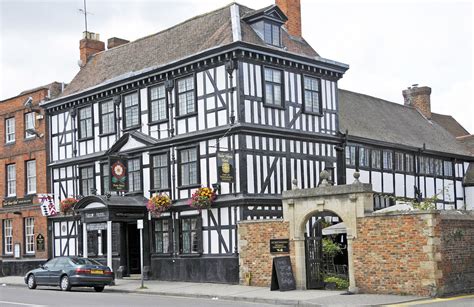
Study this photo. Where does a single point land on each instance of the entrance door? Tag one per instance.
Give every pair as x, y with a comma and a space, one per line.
314, 257
133, 244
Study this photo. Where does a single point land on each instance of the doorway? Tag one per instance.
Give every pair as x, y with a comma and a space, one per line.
133, 248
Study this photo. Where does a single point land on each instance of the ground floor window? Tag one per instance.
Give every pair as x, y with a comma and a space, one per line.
163, 231
8, 236
190, 235
29, 235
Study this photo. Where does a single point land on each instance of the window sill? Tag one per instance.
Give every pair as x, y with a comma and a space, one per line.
196, 255
106, 134
131, 128
186, 115
159, 255
10, 143
191, 186
8, 256
30, 195
320, 114
157, 122
86, 139
273, 106
32, 255
159, 190
133, 193
29, 139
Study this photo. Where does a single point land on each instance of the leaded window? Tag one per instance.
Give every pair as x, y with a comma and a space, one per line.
10, 130
273, 80
271, 34
29, 124
350, 155
312, 95
107, 117
85, 123
134, 175
29, 235
131, 110
363, 157
158, 103
399, 162
8, 236
190, 235
160, 172
188, 167
387, 160
448, 168
11, 180
186, 99
163, 236
105, 175
409, 163
31, 177
376, 159
87, 180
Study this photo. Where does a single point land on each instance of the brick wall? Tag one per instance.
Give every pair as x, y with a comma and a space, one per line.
254, 249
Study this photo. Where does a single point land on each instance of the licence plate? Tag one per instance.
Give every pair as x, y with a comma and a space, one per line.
97, 272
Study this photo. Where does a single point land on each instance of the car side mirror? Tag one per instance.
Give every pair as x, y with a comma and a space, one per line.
41, 266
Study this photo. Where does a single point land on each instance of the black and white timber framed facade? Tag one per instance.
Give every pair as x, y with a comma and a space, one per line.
275, 109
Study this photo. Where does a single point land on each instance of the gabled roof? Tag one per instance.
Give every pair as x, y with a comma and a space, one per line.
271, 11
135, 139
191, 37
384, 121
450, 124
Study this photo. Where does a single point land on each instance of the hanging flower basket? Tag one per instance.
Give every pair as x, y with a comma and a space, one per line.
158, 204
202, 198
67, 204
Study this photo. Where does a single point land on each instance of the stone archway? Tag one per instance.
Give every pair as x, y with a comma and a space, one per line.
347, 201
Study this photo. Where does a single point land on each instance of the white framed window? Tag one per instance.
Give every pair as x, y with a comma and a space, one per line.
185, 92
273, 81
158, 109
131, 110
11, 180
312, 95
188, 164
29, 124
8, 236
10, 130
87, 180
30, 235
31, 177
160, 172
134, 175
85, 123
107, 114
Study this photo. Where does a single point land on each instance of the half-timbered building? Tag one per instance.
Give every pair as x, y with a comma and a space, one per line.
236, 81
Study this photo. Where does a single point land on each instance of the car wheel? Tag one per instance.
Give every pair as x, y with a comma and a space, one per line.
99, 289
65, 285
31, 282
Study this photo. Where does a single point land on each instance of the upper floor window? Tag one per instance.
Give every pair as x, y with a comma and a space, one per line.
10, 130
376, 159
363, 157
188, 164
29, 124
399, 162
387, 160
134, 175
163, 235
350, 155
8, 236
105, 175
409, 163
107, 117
273, 81
448, 168
31, 177
438, 167
160, 172
190, 233
87, 180
131, 110
186, 99
312, 95
158, 110
11, 180
85, 123
271, 34
29, 235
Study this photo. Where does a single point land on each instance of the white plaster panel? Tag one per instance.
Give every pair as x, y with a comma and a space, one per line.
250, 174
387, 183
399, 185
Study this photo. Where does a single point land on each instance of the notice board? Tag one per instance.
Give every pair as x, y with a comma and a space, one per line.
282, 274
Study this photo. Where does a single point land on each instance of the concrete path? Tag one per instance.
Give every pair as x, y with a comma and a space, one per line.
243, 293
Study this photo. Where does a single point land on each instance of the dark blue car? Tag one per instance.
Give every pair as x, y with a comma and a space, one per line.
67, 272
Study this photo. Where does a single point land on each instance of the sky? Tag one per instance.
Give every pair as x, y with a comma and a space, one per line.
389, 45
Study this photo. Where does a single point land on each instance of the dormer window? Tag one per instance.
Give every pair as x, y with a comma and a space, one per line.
272, 34
267, 24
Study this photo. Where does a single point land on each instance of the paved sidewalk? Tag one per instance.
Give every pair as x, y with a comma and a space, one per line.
243, 293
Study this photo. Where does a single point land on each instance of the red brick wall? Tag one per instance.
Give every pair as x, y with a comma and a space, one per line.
292, 10
254, 243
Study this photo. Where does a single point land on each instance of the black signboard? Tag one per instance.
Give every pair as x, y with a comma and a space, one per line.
118, 173
39, 243
282, 274
279, 245
18, 201
225, 166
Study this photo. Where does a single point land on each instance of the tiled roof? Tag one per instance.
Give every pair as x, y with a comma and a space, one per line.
188, 38
377, 119
450, 124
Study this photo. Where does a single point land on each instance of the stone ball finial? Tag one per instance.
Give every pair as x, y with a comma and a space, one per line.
294, 182
324, 175
356, 177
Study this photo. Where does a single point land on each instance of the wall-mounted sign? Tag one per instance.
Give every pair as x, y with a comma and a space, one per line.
18, 201
225, 167
39, 243
118, 174
96, 226
279, 245
48, 208
139, 224
17, 250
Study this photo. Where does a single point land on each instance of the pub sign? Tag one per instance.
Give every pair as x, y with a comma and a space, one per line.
118, 173
40, 243
225, 166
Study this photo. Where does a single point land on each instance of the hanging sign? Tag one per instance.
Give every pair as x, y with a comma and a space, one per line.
225, 166
40, 243
48, 208
118, 174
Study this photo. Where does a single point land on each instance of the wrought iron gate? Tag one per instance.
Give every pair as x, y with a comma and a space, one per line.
314, 257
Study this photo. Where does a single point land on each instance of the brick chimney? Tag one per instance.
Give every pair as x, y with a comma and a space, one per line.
419, 98
89, 45
115, 42
292, 10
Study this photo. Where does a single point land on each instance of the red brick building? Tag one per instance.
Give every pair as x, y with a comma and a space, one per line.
23, 161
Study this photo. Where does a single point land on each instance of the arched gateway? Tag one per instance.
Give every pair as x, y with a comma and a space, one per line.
348, 202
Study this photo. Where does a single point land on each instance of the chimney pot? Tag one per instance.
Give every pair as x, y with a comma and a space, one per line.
292, 10
89, 45
419, 98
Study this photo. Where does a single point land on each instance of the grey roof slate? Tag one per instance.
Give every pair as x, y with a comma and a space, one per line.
193, 36
377, 119
450, 124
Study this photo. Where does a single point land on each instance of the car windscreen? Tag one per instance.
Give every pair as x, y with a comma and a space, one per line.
81, 261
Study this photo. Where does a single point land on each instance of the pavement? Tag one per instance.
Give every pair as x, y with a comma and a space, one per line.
243, 293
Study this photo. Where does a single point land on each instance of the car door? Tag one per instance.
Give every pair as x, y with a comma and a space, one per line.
42, 275
55, 271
